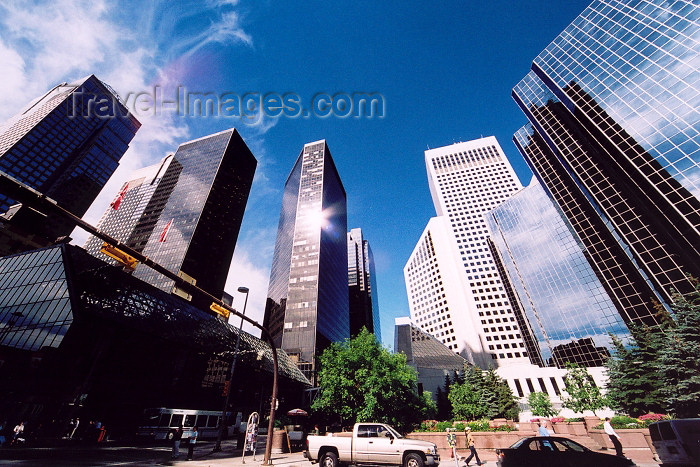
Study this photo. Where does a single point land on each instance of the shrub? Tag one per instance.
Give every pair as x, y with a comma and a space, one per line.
479, 425
557, 419
428, 425
459, 426
507, 428
443, 426
575, 419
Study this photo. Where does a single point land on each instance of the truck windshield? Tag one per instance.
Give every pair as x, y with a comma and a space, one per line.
393, 432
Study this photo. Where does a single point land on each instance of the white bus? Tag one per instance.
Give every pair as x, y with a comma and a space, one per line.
161, 423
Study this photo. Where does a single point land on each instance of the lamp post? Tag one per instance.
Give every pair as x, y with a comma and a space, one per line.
222, 425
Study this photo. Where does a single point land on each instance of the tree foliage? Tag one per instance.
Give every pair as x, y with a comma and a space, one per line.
634, 384
679, 358
483, 394
660, 370
360, 381
540, 404
584, 394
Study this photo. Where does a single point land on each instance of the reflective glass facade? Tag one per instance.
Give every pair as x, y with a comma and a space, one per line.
362, 285
79, 337
614, 103
307, 305
66, 145
126, 218
185, 212
565, 303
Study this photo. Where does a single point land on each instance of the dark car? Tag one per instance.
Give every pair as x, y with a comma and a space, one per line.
550, 451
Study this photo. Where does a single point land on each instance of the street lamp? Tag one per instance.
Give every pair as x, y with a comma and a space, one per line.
222, 425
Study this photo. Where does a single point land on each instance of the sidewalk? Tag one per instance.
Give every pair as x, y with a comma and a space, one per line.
203, 456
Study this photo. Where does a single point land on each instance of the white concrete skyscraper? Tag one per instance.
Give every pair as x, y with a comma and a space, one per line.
455, 291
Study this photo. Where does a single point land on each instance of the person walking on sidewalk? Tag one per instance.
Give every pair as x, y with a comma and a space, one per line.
191, 442
470, 445
614, 437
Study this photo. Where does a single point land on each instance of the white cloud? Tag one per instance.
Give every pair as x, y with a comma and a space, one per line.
245, 273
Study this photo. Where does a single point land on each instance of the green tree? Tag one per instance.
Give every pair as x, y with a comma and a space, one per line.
504, 404
444, 410
360, 381
679, 363
540, 405
584, 394
467, 398
635, 385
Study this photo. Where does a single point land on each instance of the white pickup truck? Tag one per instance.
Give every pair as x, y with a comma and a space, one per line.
370, 443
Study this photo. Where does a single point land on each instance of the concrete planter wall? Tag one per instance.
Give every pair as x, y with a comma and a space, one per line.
482, 440
591, 422
560, 428
576, 428
630, 438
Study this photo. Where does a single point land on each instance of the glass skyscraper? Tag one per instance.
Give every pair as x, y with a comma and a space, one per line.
614, 137
186, 211
362, 284
569, 313
307, 304
66, 145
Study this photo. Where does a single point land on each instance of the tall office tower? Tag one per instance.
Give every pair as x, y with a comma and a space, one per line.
307, 304
614, 104
126, 210
66, 145
186, 211
568, 311
362, 283
477, 320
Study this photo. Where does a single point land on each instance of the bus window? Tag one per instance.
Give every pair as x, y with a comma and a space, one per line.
189, 420
213, 421
201, 421
164, 420
177, 420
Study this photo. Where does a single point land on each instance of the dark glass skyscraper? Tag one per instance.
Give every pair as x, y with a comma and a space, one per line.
186, 211
614, 107
66, 145
362, 284
307, 304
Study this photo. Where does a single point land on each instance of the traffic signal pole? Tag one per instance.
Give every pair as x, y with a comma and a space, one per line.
38, 201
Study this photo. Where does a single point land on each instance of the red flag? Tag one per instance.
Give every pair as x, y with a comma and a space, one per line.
164, 234
120, 197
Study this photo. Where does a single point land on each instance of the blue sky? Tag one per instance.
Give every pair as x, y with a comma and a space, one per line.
445, 71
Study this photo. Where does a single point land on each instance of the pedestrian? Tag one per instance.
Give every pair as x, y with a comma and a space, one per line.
17, 433
614, 437
177, 437
470, 445
191, 442
542, 430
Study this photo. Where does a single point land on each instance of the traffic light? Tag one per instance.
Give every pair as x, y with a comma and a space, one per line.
115, 253
227, 387
218, 309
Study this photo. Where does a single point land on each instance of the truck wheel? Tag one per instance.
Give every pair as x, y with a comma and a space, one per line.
413, 460
329, 459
